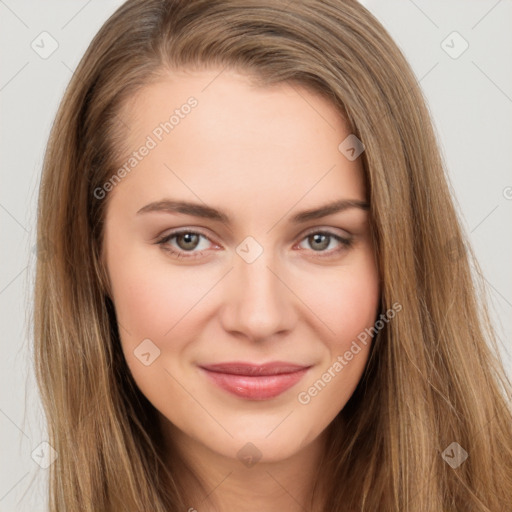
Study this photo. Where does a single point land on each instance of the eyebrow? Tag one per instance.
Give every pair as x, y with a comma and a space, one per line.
207, 212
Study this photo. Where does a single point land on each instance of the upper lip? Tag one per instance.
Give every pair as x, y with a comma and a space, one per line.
251, 369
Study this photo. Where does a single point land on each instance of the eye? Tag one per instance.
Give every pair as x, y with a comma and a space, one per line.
319, 241
187, 241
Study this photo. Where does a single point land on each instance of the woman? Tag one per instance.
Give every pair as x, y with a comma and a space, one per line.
268, 369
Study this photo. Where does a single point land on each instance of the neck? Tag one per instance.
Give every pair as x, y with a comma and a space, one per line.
215, 483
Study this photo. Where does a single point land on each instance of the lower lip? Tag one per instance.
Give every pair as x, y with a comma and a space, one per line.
262, 387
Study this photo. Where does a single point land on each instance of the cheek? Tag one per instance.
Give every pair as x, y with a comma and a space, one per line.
345, 299
347, 302
158, 302
151, 302
151, 297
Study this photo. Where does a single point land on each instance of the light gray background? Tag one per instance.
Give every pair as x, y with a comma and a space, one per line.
470, 98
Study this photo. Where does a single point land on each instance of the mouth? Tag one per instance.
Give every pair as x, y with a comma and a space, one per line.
254, 381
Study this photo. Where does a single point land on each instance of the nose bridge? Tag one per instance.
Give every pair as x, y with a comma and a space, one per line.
259, 303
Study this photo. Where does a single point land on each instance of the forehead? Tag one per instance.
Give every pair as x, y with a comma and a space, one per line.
217, 136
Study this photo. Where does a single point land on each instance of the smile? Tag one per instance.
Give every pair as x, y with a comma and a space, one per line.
255, 382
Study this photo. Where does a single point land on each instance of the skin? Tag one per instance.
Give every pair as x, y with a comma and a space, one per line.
261, 155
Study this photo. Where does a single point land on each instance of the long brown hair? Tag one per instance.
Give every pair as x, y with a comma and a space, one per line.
434, 377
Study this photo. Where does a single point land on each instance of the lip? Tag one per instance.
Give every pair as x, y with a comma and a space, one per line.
255, 381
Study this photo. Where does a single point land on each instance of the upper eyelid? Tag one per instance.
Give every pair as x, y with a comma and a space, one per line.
180, 231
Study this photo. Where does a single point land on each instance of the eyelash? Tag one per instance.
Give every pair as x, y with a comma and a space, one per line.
163, 241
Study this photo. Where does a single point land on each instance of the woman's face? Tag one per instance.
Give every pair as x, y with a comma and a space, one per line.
221, 256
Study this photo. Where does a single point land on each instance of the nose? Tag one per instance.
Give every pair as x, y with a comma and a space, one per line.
258, 304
